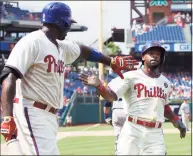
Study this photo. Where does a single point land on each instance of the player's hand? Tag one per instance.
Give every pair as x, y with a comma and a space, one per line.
120, 63
90, 80
178, 124
108, 121
8, 128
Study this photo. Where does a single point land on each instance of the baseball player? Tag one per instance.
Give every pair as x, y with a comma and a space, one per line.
33, 81
145, 91
118, 117
185, 113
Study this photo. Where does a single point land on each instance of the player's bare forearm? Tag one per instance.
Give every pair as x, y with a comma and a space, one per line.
87, 52
117, 64
107, 93
94, 81
8, 94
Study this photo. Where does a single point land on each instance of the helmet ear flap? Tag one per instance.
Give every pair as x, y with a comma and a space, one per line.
162, 58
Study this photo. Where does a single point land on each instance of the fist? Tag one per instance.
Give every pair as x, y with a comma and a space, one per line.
120, 63
8, 128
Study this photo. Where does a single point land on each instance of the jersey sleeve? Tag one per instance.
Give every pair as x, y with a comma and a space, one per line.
168, 94
71, 51
119, 86
23, 55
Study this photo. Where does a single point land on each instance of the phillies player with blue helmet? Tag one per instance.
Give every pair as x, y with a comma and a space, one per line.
33, 81
146, 93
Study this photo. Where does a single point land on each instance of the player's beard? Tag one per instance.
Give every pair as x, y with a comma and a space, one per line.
153, 67
61, 37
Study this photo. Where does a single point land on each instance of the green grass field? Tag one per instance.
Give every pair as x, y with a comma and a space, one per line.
104, 127
104, 145
2, 138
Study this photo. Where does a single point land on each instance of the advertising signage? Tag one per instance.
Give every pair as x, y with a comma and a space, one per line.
158, 3
181, 1
165, 3
170, 47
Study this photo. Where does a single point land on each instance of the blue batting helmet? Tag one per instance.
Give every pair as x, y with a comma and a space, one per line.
59, 14
154, 45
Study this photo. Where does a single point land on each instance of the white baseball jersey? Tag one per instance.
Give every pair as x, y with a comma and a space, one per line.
184, 108
42, 64
145, 97
120, 105
117, 104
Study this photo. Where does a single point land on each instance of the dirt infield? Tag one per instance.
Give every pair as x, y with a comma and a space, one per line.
62, 135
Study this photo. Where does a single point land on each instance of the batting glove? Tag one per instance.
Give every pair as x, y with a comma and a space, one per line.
120, 63
8, 128
108, 121
178, 124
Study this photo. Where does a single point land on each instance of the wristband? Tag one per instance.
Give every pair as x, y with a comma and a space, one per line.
168, 110
175, 118
95, 56
112, 61
101, 87
7, 118
108, 104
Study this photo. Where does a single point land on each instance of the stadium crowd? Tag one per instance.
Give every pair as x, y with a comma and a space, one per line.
179, 19
8, 11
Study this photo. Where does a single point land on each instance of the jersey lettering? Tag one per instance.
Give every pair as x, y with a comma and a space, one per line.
58, 67
152, 92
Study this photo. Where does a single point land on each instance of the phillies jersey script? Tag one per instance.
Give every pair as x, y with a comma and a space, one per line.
145, 97
42, 64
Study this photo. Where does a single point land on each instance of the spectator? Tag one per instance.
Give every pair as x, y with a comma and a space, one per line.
144, 27
3, 11
79, 90
183, 16
85, 90
180, 22
188, 18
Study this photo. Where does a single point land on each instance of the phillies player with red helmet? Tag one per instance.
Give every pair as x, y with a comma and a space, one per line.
33, 81
146, 93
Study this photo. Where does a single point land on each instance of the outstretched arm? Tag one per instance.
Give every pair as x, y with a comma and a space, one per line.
94, 55
94, 81
117, 64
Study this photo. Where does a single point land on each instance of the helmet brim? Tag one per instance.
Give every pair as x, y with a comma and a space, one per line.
155, 47
73, 21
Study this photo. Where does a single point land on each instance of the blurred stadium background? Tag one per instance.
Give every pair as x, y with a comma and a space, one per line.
167, 21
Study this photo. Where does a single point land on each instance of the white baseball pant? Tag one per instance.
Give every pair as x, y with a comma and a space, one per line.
118, 120
37, 129
185, 120
135, 139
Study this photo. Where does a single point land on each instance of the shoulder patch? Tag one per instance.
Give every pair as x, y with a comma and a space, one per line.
165, 85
